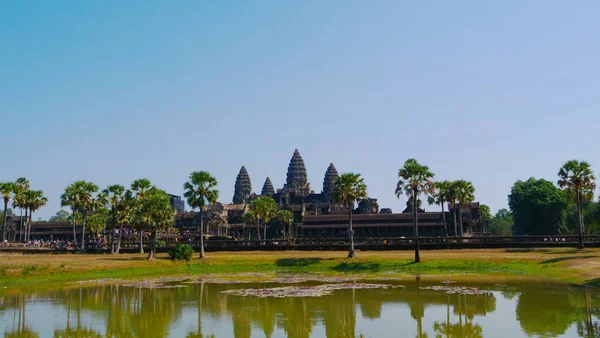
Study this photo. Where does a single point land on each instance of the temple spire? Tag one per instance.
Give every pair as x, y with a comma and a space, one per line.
296, 174
243, 187
267, 189
330, 176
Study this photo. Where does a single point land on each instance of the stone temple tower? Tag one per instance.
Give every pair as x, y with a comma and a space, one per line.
243, 187
296, 174
330, 176
267, 189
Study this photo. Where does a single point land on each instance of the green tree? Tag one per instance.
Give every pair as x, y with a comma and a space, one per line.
465, 194
577, 179
264, 209
501, 224
249, 219
286, 218
7, 190
84, 203
349, 188
157, 213
485, 215
440, 197
590, 211
140, 187
537, 207
60, 216
98, 220
34, 200
22, 185
415, 179
69, 199
200, 191
112, 197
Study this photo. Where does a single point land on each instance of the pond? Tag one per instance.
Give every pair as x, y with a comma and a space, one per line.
416, 307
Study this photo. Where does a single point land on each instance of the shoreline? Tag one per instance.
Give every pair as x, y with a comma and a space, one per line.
563, 265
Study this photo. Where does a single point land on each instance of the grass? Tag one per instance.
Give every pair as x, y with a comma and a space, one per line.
565, 264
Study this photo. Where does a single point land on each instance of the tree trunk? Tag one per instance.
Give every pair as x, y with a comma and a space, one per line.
580, 218
444, 218
28, 228
351, 253
83, 231
265, 232
119, 241
112, 235
460, 220
152, 254
21, 226
141, 241
4, 223
454, 216
416, 227
74, 233
201, 233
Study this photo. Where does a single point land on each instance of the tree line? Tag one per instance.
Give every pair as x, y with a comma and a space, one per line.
537, 205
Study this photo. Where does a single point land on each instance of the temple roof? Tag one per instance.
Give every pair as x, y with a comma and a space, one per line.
296, 174
267, 189
330, 176
243, 187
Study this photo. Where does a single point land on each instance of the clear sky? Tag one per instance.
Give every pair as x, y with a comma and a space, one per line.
111, 91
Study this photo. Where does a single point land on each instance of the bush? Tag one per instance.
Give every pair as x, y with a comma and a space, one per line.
181, 252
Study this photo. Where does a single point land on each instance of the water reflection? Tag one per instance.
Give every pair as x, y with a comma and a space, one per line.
200, 310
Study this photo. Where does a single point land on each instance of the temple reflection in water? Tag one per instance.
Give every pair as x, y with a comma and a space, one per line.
201, 310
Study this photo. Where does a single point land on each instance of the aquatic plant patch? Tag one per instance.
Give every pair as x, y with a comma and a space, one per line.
304, 291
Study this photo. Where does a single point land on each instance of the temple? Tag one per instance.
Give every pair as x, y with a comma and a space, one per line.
317, 215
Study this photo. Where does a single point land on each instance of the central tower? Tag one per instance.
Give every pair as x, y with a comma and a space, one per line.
296, 174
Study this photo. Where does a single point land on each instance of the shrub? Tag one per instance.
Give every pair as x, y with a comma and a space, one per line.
181, 252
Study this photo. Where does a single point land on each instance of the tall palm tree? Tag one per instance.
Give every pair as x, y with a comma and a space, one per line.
286, 218
18, 201
349, 188
200, 191
156, 213
140, 187
112, 197
415, 179
69, 199
440, 197
465, 194
34, 200
7, 189
85, 203
578, 180
264, 209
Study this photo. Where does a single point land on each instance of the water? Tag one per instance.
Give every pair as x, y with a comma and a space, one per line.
525, 310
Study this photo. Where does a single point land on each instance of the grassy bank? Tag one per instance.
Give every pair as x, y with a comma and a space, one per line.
564, 264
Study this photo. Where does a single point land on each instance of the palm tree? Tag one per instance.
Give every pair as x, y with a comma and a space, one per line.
85, 203
18, 201
156, 213
34, 200
577, 179
440, 197
415, 179
200, 191
249, 218
348, 189
125, 214
286, 218
68, 199
112, 197
140, 188
465, 194
7, 189
264, 209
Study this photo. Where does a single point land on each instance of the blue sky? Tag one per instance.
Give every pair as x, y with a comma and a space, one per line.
489, 91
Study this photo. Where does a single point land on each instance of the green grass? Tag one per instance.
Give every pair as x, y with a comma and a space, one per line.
90, 267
